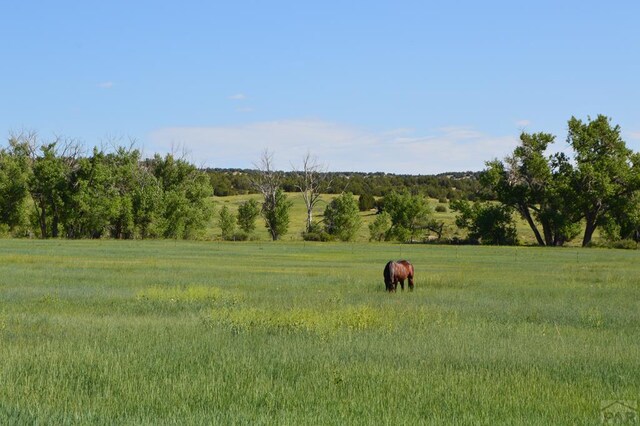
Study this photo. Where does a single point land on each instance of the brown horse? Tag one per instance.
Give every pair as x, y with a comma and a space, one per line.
397, 272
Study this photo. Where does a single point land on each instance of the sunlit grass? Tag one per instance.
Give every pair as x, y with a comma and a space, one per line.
298, 215
294, 333
298, 220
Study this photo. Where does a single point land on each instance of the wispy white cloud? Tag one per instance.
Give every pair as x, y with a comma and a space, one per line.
238, 97
633, 139
106, 84
523, 123
342, 147
634, 135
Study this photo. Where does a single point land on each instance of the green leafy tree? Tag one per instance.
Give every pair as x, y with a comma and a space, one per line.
379, 228
410, 215
487, 223
341, 217
49, 185
125, 168
607, 173
537, 187
147, 202
92, 201
227, 223
248, 212
186, 190
14, 178
276, 214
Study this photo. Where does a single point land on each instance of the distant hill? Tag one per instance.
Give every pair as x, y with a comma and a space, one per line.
450, 185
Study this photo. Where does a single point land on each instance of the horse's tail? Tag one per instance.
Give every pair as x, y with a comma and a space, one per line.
388, 273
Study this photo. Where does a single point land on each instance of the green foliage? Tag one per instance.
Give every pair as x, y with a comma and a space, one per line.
49, 188
455, 185
112, 194
441, 209
537, 187
185, 210
607, 173
14, 178
275, 211
487, 223
227, 223
366, 202
147, 197
230, 181
248, 212
379, 228
623, 223
316, 233
104, 197
410, 215
341, 217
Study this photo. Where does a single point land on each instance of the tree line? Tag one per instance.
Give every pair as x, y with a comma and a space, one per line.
55, 189
450, 186
559, 195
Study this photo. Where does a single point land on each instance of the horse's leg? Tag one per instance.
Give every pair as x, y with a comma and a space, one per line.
411, 283
402, 284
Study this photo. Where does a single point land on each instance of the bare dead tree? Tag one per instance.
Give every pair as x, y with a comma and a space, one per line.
24, 142
267, 182
312, 180
179, 151
115, 143
70, 150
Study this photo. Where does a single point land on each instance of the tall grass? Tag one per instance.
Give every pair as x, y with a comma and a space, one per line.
288, 333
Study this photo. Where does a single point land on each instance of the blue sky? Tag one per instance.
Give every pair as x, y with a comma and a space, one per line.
395, 86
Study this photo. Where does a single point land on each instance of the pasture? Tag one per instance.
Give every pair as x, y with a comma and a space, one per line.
158, 332
298, 220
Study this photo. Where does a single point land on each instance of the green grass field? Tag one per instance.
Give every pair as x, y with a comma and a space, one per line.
298, 218
291, 333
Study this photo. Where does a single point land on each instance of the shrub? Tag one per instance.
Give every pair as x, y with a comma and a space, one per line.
617, 244
366, 202
227, 223
316, 233
240, 236
487, 223
316, 236
441, 209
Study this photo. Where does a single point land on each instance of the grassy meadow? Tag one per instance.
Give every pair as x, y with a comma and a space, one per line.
163, 332
298, 216
298, 220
